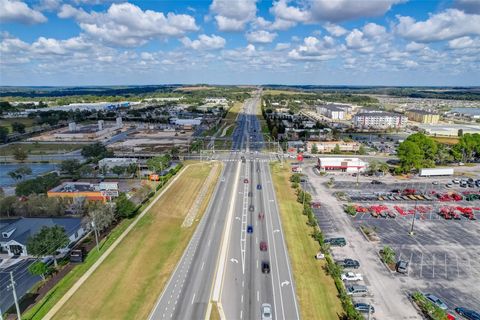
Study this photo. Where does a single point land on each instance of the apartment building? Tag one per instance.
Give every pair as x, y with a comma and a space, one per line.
423, 116
379, 120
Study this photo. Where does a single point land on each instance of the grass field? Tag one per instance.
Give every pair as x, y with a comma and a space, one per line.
233, 112
8, 122
40, 148
316, 291
128, 283
446, 140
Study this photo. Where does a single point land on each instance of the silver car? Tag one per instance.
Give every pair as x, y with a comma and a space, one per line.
266, 311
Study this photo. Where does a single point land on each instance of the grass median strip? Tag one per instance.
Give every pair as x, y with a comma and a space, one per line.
127, 284
316, 291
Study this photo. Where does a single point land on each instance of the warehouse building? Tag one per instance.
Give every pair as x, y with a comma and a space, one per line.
379, 120
351, 165
423, 116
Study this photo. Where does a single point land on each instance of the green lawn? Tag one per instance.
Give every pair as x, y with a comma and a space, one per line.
40, 148
8, 122
127, 284
316, 291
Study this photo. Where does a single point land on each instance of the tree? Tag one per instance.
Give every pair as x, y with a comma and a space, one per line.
373, 166
47, 241
70, 166
383, 167
19, 154
428, 146
96, 151
362, 150
336, 150
118, 170
410, 155
7, 206
174, 152
314, 149
101, 215
124, 207
37, 185
468, 147
158, 163
18, 127
20, 173
38, 268
388, 255
3, 134
132, 169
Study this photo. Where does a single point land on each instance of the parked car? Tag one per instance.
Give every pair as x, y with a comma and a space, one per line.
456, 181
265, 267
266, 311
249, 193
436, 300
263, 246
376, 182
468, 313
336, 242
349, 263
364, 307
402, 266
249, 228
251, 208
351, 276
245, 180
357, 290
435, 182
449, 185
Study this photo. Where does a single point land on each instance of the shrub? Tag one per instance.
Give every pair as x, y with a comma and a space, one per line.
350, 209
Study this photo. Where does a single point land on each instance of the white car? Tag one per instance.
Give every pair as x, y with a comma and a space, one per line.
266, 311
351, 276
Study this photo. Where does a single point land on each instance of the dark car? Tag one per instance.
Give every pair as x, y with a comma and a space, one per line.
402, 266
249, 193
468, 313
336, 242
376, 182
251, 208
245, 180
249, 228
259, 187
364, 307
349, 263
263, 246
265, 267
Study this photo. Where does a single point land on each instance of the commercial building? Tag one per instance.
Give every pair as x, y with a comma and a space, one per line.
92, 192
334, 111
15, 232
351, 165
329, 146
89, 131
105, 106
449, 130
423, 116
109, 163
379, 120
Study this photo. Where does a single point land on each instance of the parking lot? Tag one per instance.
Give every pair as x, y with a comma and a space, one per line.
443, 255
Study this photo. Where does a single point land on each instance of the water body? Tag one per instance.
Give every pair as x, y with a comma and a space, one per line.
37, 169
470, 111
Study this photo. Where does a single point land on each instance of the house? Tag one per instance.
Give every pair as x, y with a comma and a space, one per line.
15, 233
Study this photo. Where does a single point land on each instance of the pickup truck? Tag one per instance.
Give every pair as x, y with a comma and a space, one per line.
349, 263
351, 276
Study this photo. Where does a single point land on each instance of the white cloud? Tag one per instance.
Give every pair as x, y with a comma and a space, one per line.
371, 37
261, 36
450, 24
48, 5
204, 42
335, 30
314, 49
464, 43
127, 25
310, 11
17, 11
282, 46
233, 15
468, 6
415, 46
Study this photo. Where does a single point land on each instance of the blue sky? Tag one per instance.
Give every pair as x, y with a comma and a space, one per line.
324, 42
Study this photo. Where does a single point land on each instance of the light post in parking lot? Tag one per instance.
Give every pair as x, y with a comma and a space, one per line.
413, 219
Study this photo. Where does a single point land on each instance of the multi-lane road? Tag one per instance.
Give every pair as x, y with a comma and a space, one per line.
222, 262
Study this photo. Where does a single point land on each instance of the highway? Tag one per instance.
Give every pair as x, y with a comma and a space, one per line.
221, 262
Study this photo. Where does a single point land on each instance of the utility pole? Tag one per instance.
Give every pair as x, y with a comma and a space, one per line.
96, 235
414, 217
12, 286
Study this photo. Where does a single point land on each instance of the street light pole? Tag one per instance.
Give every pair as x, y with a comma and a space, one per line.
414, 217
12, 286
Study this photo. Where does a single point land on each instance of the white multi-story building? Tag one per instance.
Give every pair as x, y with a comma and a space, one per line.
334, 111
379, 120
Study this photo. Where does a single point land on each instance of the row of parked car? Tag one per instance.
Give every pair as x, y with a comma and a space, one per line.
351, 278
